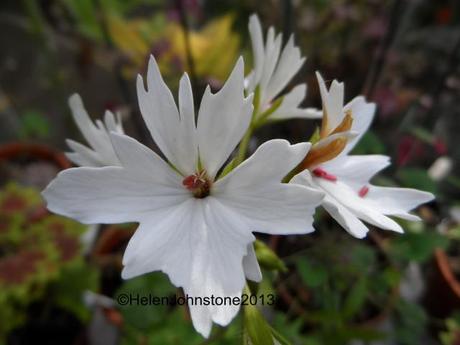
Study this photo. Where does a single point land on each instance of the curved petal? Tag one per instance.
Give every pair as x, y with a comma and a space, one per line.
173, 135
145, 184
289, 107
345, 218
254, 190
288, 65
222, 121
332, 102
363, 114
397, 201
349, 198
102, 153
251, 265
356, 171
200, 245
272, 53
83, 155
258, 51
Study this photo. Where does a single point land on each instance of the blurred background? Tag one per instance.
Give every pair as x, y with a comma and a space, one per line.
59, 279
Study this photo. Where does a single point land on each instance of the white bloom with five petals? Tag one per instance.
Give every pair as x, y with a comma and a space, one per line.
273, 70
97, 135
194, 226
345, 179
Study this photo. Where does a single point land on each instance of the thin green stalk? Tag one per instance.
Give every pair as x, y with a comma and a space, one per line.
243, 148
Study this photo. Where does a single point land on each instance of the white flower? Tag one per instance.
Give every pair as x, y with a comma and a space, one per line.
273, 70
193, 226
350, 198
101, 152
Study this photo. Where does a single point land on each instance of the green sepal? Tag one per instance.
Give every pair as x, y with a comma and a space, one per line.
267, 258
256, 328
315, 137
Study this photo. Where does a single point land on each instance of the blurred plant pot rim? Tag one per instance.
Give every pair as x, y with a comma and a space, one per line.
12, 150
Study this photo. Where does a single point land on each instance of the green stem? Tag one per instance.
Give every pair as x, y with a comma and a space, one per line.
243, 148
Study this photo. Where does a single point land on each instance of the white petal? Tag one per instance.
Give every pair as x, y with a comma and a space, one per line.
80, 160
187, 145
251, 265
111, 123
258, 51
356, 170
162, 117
350, 199
97, 137
289, 107
345, 218
114, 194
84, 155
397, 201
272, 52
363, 114
200, 245
288, 65
332, 101
222, 121
83, 121
254, 190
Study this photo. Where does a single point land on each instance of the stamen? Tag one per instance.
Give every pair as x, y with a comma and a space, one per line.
198, 184
318, 172
363, 191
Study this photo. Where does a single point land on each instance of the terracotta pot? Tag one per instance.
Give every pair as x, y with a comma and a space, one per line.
42, 152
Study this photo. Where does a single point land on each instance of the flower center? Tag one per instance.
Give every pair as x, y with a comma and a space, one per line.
198, 183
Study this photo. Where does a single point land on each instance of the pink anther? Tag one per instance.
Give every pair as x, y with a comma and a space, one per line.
318, 172
363, 191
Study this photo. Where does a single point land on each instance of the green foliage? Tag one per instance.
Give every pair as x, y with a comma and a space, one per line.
417, 246
165, 324
312, 275
369, 144
34, 125
417, 178
267, 258
145, 317
411, 323
256, 327
451, 334
346, 286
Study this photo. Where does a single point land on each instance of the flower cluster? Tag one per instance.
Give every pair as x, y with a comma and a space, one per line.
198, 207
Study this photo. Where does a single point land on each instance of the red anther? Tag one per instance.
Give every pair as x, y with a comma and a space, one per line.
363, 191
318, 172
191, 182
198, 184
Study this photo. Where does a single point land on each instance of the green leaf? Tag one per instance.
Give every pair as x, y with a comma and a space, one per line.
313, 275
282, 340
369, 144
34, 125
411, 323
417, 246
69, 288
356, 298
417, 178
